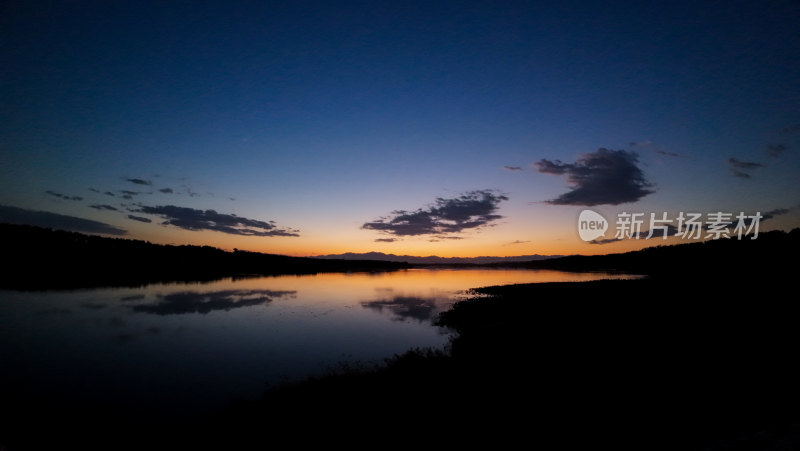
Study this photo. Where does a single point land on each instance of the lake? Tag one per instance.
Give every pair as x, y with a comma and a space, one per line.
193, 347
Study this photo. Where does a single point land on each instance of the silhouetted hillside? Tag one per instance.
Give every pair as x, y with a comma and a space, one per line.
42, 258
435, 260
691, 259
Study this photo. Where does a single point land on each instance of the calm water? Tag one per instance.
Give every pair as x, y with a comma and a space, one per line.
193, 347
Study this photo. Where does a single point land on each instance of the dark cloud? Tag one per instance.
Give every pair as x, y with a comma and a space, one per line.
604, 177
512, 168
139, 181
471, 210
775, 150
404, 307
14, 215
193, 219
140, 218
166, 190
385, 240
646, 144
742, 169
794, 128
604, 241
518, 242
199, 302
63, 196
103, 207
109, 193
670, 154
133, 297
94, 190
772, 213
743, 164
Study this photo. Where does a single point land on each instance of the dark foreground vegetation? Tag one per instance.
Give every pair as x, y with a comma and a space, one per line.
41, 258
702, 354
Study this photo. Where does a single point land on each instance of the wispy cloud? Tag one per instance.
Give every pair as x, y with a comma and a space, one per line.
140, 219
385, 240
775, 150
14, 215
606, 176
166, 190
512, 168
794, 128
742, 169
647, 144
139, 181
472, 210
194, 219
671, 154
62, 196
517, 242
104, 207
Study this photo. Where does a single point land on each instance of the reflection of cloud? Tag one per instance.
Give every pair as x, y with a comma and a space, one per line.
403, 307
205, 302
741, 168
604, 177
474, 209
193, 219
63, 196
14, 215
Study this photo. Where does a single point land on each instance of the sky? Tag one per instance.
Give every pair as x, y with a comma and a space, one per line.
420, 128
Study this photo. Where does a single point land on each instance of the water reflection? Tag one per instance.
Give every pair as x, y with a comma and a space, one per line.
403, 307
201, 344
204, 302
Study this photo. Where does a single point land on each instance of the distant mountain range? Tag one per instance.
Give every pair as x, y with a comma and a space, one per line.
434, 260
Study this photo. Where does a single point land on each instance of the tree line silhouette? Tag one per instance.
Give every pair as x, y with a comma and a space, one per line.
40, 258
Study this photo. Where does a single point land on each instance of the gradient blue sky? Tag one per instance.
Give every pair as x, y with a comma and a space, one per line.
323, 116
